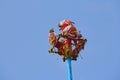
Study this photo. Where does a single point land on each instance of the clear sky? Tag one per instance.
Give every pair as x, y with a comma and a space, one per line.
24, 27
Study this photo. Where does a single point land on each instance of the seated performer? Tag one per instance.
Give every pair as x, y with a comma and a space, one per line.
54, 41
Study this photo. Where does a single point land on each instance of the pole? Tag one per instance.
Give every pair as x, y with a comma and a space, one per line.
69, 69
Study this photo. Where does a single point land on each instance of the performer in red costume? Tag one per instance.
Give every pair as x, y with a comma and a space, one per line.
68, 29
54, 41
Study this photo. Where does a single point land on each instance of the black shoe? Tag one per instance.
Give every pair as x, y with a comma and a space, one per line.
63, 59
74, 58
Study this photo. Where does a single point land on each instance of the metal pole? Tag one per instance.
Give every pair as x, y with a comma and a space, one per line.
69, 69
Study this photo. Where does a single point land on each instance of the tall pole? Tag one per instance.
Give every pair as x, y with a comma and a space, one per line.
69, 69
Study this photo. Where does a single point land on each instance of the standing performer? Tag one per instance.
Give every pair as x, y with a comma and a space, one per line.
68, 29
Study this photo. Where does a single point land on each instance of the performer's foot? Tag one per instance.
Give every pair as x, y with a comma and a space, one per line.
63, 58
73, 58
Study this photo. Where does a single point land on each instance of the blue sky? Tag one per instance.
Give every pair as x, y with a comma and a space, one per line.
24, 27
